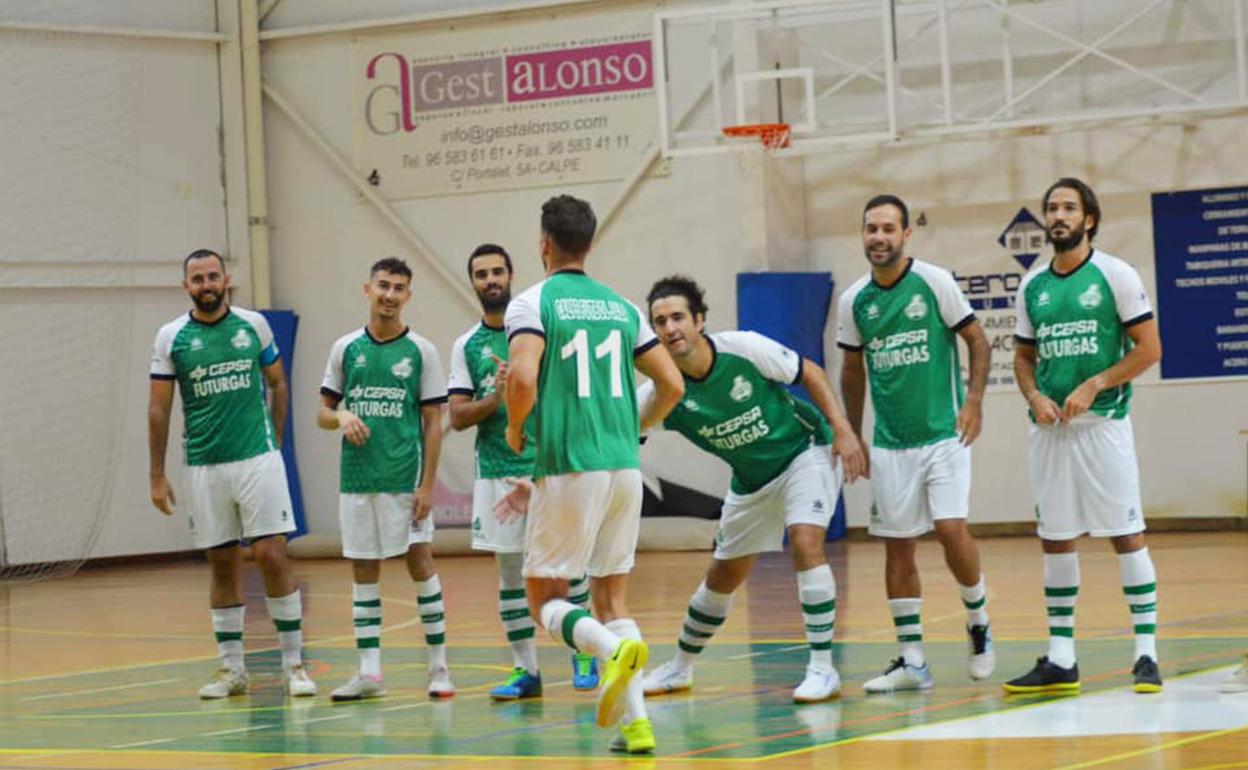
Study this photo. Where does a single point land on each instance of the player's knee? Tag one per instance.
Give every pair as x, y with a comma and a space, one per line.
420, 562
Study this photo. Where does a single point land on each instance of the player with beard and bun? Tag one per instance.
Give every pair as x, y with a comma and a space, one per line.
224, 361
1085, 331
477, 387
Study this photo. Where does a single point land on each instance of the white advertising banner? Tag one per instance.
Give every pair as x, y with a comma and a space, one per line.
511, 104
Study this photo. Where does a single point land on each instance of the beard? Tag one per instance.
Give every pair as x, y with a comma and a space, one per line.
1073, 237
494, 304
891, 259
208, 305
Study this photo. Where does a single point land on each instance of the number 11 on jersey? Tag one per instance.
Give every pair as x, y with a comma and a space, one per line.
579, 347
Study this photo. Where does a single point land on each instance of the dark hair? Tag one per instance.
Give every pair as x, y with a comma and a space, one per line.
390, 265
202, 254
569, 223
486, 249
678, 286
1087, 199
887, 199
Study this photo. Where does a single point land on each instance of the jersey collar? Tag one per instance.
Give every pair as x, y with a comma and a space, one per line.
1077, 268
571, 270
191, 314
900, 278
714, 359
376, 341
492, 328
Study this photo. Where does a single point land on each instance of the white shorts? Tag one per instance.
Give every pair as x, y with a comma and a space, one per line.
378, 526
1085, 480
583, 523
487, 533
912, 488
244, 499
805, 493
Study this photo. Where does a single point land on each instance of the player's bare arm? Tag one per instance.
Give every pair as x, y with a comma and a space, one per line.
854, 391
845, 445
275, 380
525, 354
669, 387
333, 417
159, 406
1145, 353
971, 415
467, 411
431, 426
1042, 407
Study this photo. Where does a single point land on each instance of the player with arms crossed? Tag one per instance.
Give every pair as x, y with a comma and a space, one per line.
236, 480
477, 383
1085, 331
574, 342
899, 324
383, 390
783, 479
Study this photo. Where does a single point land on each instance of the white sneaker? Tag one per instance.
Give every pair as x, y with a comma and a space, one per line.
668, 677
440, 684
1237, 681
900, 675
298, 683
359, 687
225, 683
983, 658
819, 685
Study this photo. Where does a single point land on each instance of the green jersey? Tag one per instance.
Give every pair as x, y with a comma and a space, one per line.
1078, 323
473, 370
907, 334
741, 412
384, 384
217, 367
586, 413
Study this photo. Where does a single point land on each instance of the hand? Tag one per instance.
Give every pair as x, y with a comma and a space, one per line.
422, 503
970, 421
353, 428
515, 503
853, 459
500, 380
516, 438
1080, 399
162, 495
1044, 409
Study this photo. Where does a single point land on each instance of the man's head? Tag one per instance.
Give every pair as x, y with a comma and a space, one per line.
1071, 211
568, 226
489, 268
677, 307
885, 228
388, 289
205, 279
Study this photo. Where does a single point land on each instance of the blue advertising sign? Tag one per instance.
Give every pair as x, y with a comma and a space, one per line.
1200, 238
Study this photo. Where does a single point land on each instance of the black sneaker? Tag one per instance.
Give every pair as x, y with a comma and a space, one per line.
1147, 676
1046, 677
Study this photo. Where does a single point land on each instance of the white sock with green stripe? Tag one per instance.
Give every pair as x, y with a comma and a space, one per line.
1061, 589
227, 624
433, 620
906, 619
287, 614
635, 708
578, 592
576, 628
1139, 583
975, 599
513, 609
816, 589
366, 614
706, 613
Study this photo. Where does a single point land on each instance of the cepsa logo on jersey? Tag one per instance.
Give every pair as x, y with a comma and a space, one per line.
401, 89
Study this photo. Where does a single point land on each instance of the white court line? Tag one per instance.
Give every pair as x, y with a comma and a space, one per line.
137, 744
238, 730
408, 706
742, 657
94, 690
323, 719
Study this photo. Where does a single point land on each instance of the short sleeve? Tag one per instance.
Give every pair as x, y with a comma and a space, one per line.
162, 367
1024, 331
333, 381
646, 337
848, 336
955, 310
1129, 294
460, 380
774, 361
524, 316
268, 346
432, 382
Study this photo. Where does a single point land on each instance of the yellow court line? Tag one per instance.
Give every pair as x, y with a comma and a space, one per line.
1154, 749
1222, 766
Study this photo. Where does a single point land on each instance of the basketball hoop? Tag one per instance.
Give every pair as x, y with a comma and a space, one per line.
774, 136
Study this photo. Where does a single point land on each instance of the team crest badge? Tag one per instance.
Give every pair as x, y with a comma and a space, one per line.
916, 309
403, 369
1090, 298
741, 389
241, 341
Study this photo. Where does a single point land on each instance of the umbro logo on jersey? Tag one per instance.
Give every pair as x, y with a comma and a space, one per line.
741, 389
1090, 298
1043, 299
198, 373
361, 360
241, 341
916, 309
873, 311
487, 351
818, 506
690, 404
402, 369
197, 343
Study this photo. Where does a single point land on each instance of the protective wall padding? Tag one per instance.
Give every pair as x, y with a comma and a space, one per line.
285, 324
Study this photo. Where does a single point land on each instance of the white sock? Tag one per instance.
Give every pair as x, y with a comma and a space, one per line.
816, 589
513, 609
433, 620
635, 708
227, 624
1139, 584
287, 614
1061, 589
975, 599
706, 612
909, 627
573, 626
366, 615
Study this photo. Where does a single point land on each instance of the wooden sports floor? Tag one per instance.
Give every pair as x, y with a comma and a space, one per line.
100, 671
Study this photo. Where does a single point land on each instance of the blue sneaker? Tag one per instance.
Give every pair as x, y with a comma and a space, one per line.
584, 671
521, 684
